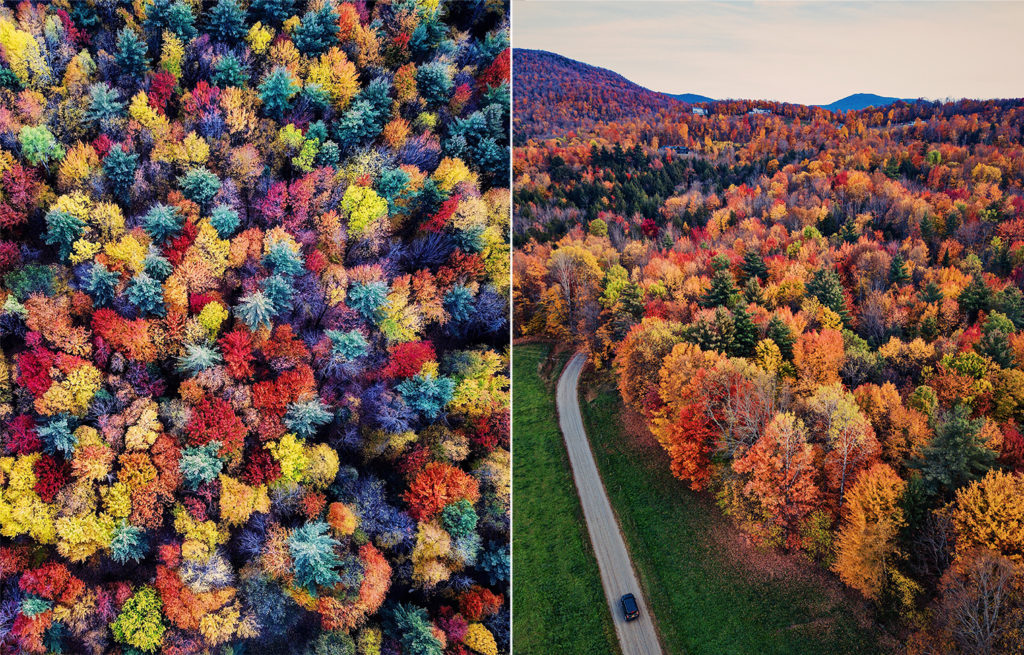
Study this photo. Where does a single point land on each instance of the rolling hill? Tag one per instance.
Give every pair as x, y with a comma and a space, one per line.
861, 101
552, 92
692, 98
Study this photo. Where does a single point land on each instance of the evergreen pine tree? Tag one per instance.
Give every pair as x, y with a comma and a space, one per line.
305, 418
746, 333
131, 57
313, 556
753, 265
931, 293
718, 334
627, 311
317, 31
434, 81
995, 339
225, 220
272, 12
104, 104
976, 297
119, 168
928, 228
174, 16
825, 286
898, 271
277, 91
256, 310
162, 222
723, 292
780, 333
411, 627
1010, 301
366, 116
226, 21
62, 230
955, 456
146, 294
752, 292
200, 464
199, 185
228, 71
101, 284
198, 358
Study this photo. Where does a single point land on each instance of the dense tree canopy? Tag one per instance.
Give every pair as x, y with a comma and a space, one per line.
254, 380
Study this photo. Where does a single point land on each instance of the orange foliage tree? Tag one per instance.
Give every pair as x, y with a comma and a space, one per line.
780, 470
867, 540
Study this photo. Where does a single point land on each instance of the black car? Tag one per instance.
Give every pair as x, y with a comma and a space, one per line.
629, 607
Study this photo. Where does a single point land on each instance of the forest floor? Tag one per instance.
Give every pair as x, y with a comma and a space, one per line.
713, 591
559, 606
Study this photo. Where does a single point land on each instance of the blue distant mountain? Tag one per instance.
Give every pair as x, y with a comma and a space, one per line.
862, 101
691, 98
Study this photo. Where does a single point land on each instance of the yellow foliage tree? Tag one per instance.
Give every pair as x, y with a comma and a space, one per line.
23, 54
433, 545
990, 513
867, 541
337, 75
480, 640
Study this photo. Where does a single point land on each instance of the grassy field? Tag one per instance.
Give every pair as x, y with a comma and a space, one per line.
710, 592
559, 606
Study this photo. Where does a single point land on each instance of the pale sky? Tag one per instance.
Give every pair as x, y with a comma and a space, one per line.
804, 52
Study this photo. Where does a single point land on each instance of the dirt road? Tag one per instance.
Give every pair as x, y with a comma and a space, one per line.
617, 574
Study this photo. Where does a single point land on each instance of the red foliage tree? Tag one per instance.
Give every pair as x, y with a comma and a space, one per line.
260, 468
478, 603
497, 72
10, 256
51, 476
21, 436
161, 88
34, 370
437, 485
408, 358
214, 420
690, 442
1013, 448
238, 355
20, 186
52, 581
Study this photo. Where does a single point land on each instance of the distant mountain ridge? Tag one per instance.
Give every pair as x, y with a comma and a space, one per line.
553, 93
692, 98
859, 101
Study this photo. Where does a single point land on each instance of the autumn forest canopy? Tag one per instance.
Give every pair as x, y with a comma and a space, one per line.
254, 271
817, 314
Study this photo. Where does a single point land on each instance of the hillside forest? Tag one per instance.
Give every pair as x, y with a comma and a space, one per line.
818, 315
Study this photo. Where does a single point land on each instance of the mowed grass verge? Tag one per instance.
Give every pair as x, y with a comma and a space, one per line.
704, 601
559, 605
